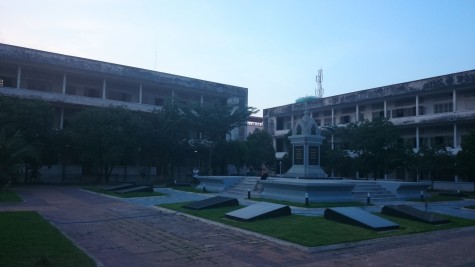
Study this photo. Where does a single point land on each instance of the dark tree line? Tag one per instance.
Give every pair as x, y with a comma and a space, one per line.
375, 149
101, 138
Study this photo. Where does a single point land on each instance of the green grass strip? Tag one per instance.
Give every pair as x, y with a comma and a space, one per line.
313, 231
26, 239
8, 196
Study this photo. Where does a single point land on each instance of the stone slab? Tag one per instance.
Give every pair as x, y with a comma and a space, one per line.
408, 212
359, 217
118, 187
213, 202
259, 211
142, 188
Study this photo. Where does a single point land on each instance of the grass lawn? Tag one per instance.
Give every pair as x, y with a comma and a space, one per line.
440, 196
8, 196
26, 239
98, 189
316, 231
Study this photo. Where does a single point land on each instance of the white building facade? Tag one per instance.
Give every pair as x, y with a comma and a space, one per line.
72, 84
437, 111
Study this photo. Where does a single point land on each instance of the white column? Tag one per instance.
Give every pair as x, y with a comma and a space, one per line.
292, 122
357, 117
61, 119
454, 100
140, 93
64, 86
333, 144
417, 105
202, 100
455, 135
104, 86
18, 78
333, 116
417, 138
385, 109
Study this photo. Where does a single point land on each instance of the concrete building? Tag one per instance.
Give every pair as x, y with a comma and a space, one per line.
73, 83
433, 111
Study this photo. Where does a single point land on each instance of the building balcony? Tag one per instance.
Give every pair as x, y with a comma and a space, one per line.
435, 118
74, 99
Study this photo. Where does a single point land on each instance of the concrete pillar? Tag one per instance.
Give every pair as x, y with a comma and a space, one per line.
454, 100
455, 136
104, 86
61, 119
385, 109
140, 93
333, 144
64, 86
357, 117
417, 138
333, 116
417, 105
18, 78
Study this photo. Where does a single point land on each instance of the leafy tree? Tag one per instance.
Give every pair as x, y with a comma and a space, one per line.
34, 119
13, 152
233, 152
466, 158
375, 145
213, 122
165, 136
105, 137
260, 149
430, 162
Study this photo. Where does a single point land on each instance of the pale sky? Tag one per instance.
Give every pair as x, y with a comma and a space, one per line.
272, 47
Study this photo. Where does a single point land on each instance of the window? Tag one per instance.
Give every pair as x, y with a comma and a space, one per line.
327, 121
443, 107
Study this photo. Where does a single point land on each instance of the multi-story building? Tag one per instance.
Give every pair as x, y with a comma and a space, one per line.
73, 83
432, 112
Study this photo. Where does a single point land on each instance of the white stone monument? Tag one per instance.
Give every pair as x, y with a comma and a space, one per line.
306, 139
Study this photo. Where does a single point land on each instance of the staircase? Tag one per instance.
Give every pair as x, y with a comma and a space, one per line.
240, 189
377, 192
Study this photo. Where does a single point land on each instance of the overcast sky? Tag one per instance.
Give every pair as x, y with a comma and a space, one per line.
272, 47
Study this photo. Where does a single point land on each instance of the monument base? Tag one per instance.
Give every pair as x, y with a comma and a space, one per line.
306, 172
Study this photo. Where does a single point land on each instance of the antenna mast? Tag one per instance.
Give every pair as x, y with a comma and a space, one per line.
319, 89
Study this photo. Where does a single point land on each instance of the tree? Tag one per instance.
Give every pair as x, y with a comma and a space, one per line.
213, 122
260, 149
13, 152
466, 158
375, 145
105, 137
34, 120
165, 136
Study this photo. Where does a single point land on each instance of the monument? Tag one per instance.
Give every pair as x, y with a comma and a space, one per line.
306, 139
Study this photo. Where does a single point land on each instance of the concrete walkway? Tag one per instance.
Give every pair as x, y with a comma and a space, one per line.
131, 232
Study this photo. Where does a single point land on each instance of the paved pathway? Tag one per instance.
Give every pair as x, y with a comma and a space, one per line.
131, 233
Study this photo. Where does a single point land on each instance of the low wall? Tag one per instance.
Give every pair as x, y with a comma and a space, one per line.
454, 186
217, 183
317, 190
405, 190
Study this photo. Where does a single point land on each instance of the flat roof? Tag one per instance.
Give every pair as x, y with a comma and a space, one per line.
28, 55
